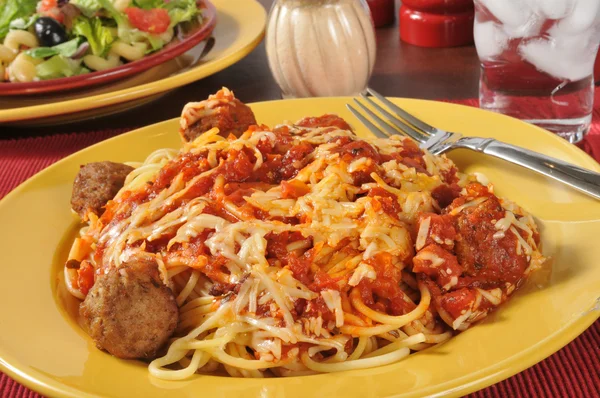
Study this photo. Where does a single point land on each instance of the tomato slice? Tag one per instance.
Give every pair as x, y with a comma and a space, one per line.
47, 5
155, 20
49, 8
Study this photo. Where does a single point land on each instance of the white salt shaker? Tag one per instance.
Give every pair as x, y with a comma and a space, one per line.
320, 48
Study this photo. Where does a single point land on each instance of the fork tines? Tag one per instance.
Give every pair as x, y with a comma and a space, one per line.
397, 120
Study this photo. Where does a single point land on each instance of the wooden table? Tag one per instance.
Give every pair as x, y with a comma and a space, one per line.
401, 70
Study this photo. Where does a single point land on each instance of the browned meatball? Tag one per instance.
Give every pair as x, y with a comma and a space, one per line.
489, 261
96, 184
233, 117
129, 312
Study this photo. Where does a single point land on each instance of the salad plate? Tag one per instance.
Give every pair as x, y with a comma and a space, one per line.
188, 36
239, 29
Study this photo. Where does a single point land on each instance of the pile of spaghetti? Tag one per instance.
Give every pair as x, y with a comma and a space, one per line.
304, 248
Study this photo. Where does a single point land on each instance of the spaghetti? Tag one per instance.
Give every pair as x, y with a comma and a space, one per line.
304, 249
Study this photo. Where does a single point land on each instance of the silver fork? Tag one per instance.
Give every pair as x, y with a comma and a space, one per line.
438, 141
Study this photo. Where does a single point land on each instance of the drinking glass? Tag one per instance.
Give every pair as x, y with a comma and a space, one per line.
320, 48
537, 61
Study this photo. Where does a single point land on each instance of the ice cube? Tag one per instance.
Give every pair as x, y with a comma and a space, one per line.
531, 27
490, 39
581, 41
551, 9
583, 46
555, 9
510, 12
585, 14
557, 58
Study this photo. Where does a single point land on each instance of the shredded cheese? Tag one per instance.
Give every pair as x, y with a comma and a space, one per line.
422, 234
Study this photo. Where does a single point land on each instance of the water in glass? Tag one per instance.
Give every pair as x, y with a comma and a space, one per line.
537, 60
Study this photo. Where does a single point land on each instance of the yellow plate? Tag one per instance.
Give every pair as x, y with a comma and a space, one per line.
42, 347
240, 28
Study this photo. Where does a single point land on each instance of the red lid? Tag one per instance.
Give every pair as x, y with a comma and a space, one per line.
382, 12
439, 6
436, 30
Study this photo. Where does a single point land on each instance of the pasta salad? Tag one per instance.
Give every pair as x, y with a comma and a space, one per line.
48, 39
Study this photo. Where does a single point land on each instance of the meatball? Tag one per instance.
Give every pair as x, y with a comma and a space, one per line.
495, 261
129, 312
232, 117
96, 184
463, 256
326, 120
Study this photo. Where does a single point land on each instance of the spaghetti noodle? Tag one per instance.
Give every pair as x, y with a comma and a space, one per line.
304, 249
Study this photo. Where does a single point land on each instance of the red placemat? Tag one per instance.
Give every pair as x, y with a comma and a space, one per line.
573, 371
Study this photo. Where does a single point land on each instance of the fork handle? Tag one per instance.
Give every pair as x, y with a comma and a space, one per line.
577, 177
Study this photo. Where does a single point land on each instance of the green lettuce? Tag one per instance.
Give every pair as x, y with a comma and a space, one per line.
89, 8
118, 16
59, 66
23, 23
156, 43
149, 4
14, 9
97, 35
181, 11
66, 49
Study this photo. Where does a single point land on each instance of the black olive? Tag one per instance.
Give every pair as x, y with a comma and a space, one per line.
49, 32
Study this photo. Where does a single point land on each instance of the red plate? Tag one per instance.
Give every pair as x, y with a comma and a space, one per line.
171, 50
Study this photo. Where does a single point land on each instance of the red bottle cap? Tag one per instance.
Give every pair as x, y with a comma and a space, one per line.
439, 6
427, 29
382, 12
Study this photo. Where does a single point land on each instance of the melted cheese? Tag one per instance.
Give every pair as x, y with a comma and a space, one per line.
423, 233
471, 203
333, 301
434, 259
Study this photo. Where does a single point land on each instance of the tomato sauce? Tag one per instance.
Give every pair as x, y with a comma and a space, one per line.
190, 164
300, 266
322, 281
384, 293
353, 150
324, 121
445, 194
450, 176
215, 269
277, 247
238, 166
85, 277
294, 160
443, 273
317, 307
492, 260
293, 189
457, 302
441, 230
388, 201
